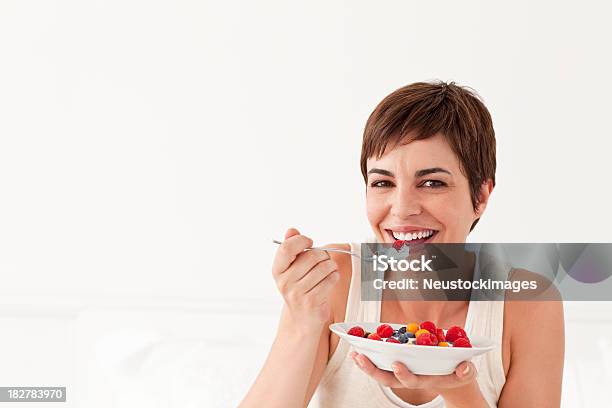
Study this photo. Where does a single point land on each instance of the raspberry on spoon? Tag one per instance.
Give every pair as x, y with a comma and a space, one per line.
398, 244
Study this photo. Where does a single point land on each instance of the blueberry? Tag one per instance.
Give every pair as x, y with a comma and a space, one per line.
402, 330
403, 338
395, 333
410, 335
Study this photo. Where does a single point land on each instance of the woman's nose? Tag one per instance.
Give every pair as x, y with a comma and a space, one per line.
405, 204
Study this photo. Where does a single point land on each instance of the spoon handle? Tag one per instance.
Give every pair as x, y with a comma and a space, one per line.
326, 249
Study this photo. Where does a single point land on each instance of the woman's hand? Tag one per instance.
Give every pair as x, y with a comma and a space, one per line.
401, 377
305, 279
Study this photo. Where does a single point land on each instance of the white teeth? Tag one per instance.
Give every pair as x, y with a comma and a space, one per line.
409, 236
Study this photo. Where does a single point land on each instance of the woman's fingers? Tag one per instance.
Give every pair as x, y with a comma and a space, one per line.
288, 251
291, 232
384, 377
307, 300
463, 374
304, 263
406, 377
320, 292
403, 377
466, 371
316, 275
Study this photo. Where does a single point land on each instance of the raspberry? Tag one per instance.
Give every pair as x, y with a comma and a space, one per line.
356, 331
384, 330
392, 340
440, 335
374, 336
455, 333
412, 327
434, 339
462, 342
424, 340
398, 244
429, 326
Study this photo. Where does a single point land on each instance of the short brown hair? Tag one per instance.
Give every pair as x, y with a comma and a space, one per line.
424, 109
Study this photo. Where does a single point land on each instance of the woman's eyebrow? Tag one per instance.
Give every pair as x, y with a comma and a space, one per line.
424, 172
418, 173
381, 171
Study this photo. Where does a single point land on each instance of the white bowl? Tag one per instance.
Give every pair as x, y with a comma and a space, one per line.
422, 360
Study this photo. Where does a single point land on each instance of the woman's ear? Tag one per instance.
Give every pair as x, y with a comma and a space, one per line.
486, 189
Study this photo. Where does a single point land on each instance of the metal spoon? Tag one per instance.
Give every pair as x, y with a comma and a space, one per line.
344, 251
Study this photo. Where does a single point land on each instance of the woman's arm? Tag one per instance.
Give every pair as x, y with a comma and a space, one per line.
286, 378
305, 279
535, 326
537, 352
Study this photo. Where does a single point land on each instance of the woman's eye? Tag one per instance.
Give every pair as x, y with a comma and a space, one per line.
433, 183
381, 183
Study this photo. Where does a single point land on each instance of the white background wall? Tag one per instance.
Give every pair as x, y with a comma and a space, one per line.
146, 145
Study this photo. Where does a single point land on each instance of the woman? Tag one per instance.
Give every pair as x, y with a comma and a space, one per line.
428, 159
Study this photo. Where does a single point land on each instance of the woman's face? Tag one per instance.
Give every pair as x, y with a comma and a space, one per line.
417, 192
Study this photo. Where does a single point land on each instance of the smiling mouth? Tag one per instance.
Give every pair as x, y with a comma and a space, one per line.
412, 237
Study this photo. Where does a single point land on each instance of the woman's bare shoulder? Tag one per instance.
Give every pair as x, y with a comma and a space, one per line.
539, 312
534, 287
542, 316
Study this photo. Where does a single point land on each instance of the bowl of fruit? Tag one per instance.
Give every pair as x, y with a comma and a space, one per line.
422, 347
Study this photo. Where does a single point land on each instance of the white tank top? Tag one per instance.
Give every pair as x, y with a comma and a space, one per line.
344, 385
